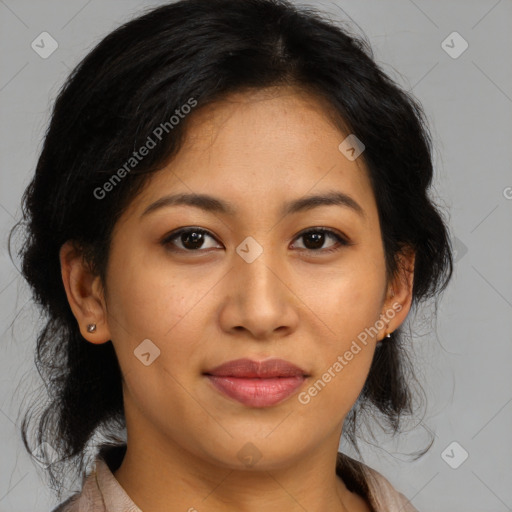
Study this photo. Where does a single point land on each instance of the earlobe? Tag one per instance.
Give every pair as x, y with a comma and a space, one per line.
83, 293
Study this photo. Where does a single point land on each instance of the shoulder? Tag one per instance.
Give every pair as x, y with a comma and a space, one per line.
70, 505
89, 499
383, 495
100, 490
372, 485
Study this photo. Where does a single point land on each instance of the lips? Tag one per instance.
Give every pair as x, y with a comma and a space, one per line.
247, 368
257, 383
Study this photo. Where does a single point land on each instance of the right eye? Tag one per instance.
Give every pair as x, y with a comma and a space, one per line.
191, 239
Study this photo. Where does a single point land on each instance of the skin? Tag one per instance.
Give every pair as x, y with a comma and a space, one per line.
207, 306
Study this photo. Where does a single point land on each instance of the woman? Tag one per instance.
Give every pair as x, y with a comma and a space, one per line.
228, 225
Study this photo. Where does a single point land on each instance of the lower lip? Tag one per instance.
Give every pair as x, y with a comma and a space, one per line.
257, 392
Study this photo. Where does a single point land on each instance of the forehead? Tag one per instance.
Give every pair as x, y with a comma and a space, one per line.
261, 147
261, 114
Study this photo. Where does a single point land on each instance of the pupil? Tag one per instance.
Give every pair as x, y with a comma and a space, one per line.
318, 240
193, 238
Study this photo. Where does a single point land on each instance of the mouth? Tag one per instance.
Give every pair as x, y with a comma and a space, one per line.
257, 383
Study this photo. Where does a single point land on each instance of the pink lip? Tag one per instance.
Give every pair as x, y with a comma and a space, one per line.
257, 384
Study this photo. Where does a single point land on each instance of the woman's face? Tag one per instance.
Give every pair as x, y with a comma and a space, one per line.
249, 284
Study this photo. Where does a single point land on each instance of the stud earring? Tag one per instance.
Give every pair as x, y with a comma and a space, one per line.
91, 328
388, 335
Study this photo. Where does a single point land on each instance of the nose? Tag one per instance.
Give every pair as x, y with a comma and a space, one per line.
259, 299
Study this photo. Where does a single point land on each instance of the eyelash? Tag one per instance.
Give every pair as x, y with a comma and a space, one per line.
342, 241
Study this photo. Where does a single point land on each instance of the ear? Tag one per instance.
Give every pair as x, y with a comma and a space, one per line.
398, 300
85, 294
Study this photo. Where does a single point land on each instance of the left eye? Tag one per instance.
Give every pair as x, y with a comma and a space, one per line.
316, 238
192, 240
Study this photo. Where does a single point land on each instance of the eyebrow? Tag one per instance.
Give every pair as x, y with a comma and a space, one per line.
212, 204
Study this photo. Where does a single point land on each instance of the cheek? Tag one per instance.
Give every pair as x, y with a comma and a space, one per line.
164, 307
137, 303
333, 391
146, 299
350, 304
350, 299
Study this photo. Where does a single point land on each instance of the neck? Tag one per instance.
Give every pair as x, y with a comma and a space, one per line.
155, 478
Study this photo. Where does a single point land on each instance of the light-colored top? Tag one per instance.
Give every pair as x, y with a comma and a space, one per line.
101, 492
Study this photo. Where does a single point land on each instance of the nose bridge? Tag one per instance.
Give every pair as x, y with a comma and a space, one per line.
258, 263
261, 298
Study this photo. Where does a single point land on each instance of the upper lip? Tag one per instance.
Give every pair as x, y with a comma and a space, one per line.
249, 368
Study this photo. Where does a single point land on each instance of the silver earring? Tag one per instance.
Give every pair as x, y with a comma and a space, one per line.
91, 327
388, 335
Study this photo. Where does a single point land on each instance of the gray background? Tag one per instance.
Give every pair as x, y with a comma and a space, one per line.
463, 363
